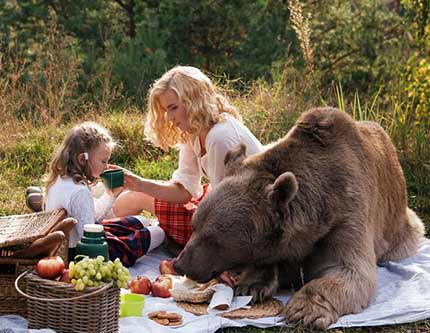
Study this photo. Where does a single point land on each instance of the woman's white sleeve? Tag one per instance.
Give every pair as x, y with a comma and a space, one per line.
82, 209
188, 173
102, 206
216, 155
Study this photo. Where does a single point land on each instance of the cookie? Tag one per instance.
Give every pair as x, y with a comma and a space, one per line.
155, 314
175, 323
160, 321
172, 316
166, 318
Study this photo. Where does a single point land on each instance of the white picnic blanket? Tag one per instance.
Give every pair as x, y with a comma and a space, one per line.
402, 296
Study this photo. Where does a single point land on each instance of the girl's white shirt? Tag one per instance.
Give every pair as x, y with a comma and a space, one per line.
223, 136
79, 203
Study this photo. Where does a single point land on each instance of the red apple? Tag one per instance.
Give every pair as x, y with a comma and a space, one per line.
65, 277
161, 286
140, 285
50, 267
166, 267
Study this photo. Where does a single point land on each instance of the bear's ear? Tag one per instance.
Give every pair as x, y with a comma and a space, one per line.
280, 193
234, 158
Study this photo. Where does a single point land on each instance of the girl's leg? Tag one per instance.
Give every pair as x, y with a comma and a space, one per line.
157, 237
132, 203
129, 240
146, 222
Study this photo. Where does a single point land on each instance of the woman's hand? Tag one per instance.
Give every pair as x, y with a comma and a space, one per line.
132, 182
116, 167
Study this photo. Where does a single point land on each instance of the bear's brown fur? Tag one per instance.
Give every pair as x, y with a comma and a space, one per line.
317, 210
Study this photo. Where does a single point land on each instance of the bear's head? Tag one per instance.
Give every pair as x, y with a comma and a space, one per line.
240, 222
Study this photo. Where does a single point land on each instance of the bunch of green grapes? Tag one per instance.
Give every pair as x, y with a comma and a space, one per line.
92, 272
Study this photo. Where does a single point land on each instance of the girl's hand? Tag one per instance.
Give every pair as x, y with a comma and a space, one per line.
114, 192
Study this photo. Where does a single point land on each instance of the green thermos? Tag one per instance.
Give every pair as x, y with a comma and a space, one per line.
93, 243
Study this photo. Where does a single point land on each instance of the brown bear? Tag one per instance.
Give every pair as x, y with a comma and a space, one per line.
316, 211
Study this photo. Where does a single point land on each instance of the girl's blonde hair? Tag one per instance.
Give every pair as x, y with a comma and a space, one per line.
82, 138
202, 100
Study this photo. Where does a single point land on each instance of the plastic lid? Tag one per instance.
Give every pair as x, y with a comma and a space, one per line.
93, 228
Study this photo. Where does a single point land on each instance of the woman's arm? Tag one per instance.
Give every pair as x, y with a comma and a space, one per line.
166, 191
162, 190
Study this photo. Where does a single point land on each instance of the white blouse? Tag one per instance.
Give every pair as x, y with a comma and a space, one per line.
220, 139
79, 203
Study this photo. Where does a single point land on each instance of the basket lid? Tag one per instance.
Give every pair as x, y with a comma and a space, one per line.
21, 229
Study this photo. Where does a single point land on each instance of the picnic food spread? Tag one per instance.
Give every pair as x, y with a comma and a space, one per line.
86, 284
199, 298
166, 318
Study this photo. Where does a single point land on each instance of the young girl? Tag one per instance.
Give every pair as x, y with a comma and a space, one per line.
186, 110
76, 165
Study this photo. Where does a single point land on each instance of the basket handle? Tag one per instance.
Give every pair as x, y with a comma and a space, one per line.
95, 292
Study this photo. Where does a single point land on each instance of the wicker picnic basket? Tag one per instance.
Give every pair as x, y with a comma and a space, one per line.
11, 302
201, 294
58, 306
17, 231
269, 308
23, 229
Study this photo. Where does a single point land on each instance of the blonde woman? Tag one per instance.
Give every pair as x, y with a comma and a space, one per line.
185, 110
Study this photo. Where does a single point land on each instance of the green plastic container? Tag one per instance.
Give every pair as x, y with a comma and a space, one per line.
113, 178
131, 305
93, 243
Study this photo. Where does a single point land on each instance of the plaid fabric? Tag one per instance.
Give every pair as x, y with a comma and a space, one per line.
127, 238
175, 219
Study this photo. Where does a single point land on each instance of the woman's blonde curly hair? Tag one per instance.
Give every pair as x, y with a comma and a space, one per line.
202, 100
82, 138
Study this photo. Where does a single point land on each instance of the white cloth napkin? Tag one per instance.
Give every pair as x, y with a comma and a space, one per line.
224, 295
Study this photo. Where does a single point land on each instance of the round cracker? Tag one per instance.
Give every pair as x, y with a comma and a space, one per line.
161, 321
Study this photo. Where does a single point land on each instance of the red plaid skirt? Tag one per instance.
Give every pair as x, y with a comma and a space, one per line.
175, 219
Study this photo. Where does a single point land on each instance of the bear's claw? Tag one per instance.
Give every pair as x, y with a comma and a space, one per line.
311, 310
